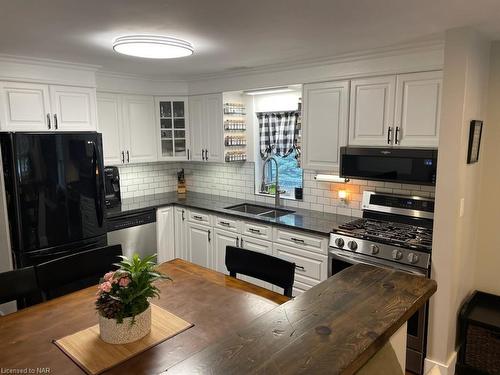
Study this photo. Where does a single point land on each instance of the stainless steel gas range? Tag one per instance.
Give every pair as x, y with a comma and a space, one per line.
395, 231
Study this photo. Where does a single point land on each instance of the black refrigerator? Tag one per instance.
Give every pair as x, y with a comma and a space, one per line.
55, 197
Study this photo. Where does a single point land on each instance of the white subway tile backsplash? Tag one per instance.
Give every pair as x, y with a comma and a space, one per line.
238, 181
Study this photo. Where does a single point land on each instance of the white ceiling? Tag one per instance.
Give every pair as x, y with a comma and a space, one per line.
228, 35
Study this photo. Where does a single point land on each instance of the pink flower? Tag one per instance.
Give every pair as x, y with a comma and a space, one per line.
105, 287
109, 276
124, 281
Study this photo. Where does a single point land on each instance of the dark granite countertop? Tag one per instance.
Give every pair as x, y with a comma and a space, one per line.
308, 220
336, 327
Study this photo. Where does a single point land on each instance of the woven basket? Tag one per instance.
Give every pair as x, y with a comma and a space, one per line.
483, 349
128, 331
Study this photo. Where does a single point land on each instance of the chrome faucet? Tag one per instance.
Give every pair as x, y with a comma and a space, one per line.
263, 185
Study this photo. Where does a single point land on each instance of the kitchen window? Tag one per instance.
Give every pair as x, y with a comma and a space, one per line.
290, 176
279, 134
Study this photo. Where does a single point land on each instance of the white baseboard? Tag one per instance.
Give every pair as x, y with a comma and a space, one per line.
447, 368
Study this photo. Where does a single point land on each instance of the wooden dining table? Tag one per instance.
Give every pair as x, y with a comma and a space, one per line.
217, 305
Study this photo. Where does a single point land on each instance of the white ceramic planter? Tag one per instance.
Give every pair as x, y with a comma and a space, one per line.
114, 333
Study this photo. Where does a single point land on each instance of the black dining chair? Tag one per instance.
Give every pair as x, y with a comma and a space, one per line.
19, 285
264, 267
76, 271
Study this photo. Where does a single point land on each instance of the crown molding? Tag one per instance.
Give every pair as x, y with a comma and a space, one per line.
47, 62
138, 77
423, 46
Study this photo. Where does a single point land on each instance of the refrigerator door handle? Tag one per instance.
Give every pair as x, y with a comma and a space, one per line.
99, 187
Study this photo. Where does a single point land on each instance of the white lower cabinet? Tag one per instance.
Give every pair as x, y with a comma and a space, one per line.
298, 288
223, 238
165, 234
202, 239
199, 244
180, 223
260, 246
311, 268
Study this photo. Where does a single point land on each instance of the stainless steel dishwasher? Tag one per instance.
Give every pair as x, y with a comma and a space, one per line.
136, 232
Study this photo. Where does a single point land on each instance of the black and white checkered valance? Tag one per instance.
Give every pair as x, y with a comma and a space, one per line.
278, 132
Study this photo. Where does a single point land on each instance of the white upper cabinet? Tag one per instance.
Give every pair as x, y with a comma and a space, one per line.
24, 107
206, 128
371, 116
326, 107
402, 110
214, 128
172, 127
128, 128
110, 125
34, 107
197, 143
418, 109
73, 108
140, 130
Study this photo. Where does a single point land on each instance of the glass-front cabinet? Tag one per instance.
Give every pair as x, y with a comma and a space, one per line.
173, 128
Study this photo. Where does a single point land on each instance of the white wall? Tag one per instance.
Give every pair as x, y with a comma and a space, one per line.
136, 85
466, 60
403, 60
488, 240
5, 252
285, 101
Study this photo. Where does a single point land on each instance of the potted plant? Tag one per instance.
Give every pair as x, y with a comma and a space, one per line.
123, 300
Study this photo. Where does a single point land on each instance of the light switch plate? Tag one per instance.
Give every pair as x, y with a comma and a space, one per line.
462, 207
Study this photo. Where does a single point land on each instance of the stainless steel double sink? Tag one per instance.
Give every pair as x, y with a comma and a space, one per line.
262, 211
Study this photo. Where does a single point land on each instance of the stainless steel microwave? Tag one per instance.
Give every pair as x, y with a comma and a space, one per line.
401, 165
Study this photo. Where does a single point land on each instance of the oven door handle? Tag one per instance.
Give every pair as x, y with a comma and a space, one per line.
378, 262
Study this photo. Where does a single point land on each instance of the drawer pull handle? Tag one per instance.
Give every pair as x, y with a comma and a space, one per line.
197, 217
224, 223
300, 267
254, 230
297, 240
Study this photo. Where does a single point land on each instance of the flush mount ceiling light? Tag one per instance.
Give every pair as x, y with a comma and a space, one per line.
152, 46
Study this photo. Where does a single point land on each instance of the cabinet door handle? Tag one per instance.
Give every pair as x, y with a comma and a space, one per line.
224, 223
396, 140
389, 131
202, 154
188, 153
123, 157
241, 243
254, 230
237, 242
209, 238
197, 217
182, 215
48, 120
206, 154
298, 240
300, 267
55, 121
128, 157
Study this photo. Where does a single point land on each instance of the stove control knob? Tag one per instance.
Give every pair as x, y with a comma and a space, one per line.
352, 245
412, 258
374, 249
397, 254
339, 242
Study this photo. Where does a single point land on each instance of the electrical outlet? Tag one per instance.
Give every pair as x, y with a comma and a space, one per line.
462, 207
